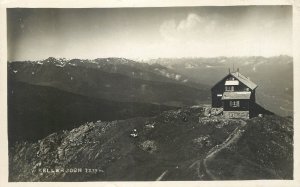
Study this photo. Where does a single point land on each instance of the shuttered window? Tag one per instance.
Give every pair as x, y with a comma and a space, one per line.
229, 88
234, 103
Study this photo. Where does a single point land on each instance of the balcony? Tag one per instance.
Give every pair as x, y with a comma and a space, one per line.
232, 83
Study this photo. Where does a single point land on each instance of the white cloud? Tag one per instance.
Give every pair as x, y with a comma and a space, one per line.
193, 26
197, 35
191, 23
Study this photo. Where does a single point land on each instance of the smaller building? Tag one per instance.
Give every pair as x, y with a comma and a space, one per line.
235, 93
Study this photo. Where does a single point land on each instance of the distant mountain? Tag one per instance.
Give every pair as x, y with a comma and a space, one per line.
112, 79
130, 68
37, 111
182, 144
274, 76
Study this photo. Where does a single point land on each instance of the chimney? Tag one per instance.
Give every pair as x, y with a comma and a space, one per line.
229, 70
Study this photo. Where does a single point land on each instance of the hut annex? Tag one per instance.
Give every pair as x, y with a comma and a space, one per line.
235, 96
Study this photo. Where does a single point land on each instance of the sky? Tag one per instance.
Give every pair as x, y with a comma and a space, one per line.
144, 33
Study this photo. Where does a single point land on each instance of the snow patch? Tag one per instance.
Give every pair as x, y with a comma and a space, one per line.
58, 65
162, 71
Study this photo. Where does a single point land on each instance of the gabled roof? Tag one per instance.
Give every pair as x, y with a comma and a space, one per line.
246, 81
236, 95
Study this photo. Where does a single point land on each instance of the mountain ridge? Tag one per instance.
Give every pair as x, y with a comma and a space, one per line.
274, 92
110, 85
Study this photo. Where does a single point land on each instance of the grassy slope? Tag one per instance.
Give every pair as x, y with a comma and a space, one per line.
170, 146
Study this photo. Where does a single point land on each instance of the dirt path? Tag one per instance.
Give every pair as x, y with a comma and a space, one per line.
162, 175
232, 138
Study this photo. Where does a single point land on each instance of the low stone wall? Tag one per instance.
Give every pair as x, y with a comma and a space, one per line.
216, 111
236, 114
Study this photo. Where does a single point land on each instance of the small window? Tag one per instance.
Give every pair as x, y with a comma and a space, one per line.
234, 103
247, 89
229, 88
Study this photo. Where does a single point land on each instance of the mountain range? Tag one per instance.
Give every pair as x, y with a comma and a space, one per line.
273, 75
79, 90
115, 119
58, 94
112, 79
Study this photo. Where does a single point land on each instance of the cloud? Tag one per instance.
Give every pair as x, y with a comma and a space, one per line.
218, 35
193, 26
137, 33
192, 22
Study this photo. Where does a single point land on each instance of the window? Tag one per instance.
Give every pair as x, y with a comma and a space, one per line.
229, 88
247, 89
234, 103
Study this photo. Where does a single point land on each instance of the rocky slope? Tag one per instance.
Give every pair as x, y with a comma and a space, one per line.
261, 148
180, 144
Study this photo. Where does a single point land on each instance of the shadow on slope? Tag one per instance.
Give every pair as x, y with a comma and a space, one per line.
37, 111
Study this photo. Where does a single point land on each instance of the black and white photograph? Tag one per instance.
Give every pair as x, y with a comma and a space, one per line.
185, 93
